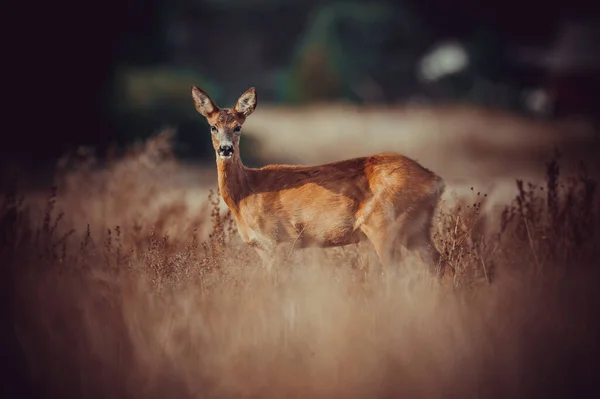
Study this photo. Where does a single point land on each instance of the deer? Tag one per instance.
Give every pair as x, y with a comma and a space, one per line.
387, 198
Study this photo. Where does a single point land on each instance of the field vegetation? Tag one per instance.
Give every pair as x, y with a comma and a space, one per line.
118, 283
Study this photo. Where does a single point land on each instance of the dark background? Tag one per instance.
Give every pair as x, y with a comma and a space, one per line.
94, 73
67, 64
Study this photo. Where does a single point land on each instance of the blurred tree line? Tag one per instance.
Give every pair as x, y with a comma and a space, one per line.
295, 52
124, 68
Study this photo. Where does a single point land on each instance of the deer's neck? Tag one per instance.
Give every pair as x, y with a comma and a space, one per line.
233, 182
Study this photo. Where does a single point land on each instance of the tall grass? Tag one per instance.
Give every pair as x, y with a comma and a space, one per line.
118, 285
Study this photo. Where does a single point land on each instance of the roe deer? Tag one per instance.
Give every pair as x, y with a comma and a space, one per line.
388, 198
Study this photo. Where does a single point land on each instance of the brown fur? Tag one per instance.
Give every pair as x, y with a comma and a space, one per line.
387, 198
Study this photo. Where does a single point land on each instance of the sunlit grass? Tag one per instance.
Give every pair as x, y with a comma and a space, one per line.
120, 286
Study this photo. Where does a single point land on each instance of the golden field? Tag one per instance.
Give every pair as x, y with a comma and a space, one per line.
127, 280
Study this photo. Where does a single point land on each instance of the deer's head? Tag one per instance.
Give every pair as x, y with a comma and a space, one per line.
225, 123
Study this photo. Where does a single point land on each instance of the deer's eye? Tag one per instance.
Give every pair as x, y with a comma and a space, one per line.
213, 129
237, 129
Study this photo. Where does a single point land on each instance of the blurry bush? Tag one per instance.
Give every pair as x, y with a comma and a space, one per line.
348, 43
474, 69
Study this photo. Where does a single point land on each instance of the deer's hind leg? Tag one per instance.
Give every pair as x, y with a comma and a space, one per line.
419, 239
385, 237
409, 230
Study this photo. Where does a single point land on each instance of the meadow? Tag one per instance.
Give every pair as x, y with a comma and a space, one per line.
127, 279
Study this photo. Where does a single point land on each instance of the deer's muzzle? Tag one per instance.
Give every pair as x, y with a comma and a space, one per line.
225, 151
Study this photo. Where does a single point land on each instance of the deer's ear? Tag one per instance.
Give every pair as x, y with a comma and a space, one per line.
247, 102
204, 105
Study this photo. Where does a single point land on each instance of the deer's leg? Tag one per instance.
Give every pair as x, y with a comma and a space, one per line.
409, 231
383, 253
386, 240
423, 246
419, 240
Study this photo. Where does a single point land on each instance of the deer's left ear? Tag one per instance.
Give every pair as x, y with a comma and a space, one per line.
247, 102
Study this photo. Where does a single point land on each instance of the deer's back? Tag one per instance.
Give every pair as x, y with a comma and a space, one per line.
354, 178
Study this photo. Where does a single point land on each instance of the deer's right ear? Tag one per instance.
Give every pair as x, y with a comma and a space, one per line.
204, 105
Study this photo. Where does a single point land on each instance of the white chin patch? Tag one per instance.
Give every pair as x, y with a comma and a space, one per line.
225, 156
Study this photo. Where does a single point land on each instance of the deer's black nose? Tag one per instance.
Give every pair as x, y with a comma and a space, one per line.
225, 150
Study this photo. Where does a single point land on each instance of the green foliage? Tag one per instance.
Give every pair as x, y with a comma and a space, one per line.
343, 42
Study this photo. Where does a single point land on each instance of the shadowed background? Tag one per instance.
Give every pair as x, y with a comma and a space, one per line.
119, 71
143, 289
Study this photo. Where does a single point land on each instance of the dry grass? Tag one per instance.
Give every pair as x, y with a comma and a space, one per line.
138, 291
